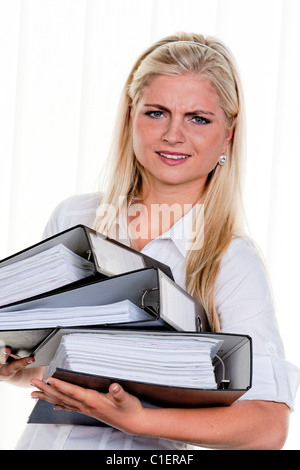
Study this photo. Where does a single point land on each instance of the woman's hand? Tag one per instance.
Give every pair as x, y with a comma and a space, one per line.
116, 407
245, 425
9, 371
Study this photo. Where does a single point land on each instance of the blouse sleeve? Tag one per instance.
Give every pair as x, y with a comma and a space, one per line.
245, 306
77, 209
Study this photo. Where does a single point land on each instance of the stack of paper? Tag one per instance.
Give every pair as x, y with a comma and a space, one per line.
177, 360
119, 312
41, 273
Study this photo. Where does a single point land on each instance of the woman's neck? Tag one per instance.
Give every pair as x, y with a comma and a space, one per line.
156, 213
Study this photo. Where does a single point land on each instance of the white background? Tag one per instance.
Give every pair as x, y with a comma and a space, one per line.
62, 66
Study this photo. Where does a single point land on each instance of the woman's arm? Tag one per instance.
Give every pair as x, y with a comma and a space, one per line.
248, 424
243, 425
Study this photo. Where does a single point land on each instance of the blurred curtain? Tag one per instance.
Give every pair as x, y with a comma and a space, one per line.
62, 67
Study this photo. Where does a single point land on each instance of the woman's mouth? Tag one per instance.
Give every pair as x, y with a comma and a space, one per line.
172, 156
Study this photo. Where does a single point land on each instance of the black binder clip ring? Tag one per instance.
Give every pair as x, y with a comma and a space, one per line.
223, 383
145, 292
198, 323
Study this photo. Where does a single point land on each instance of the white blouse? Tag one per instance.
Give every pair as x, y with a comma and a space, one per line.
245, 306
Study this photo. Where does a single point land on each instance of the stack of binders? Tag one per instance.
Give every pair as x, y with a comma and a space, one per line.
82, 292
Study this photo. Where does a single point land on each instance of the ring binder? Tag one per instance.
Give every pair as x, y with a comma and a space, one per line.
108, 258
235, 353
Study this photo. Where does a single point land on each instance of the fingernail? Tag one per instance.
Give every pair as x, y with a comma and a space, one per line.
116, 388
30, 360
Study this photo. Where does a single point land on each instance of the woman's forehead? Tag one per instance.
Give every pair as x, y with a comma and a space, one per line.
187, 90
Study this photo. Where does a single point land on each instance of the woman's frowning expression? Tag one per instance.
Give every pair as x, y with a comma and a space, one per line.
179, 130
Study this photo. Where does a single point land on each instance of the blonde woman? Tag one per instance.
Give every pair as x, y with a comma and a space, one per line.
174, 193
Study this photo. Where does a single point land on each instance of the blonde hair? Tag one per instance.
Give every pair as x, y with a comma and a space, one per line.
176, 55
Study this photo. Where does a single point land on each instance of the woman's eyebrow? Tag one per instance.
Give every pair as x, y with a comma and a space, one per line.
190, 113
159, 106
200, 112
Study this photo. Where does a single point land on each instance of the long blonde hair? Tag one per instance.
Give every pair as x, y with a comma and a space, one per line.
173, 55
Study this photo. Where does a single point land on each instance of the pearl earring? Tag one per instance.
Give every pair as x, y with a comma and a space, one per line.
222, 160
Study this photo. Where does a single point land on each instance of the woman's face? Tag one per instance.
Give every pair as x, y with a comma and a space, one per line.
179, 131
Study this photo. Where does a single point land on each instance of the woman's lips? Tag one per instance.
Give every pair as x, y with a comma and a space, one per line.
172, 158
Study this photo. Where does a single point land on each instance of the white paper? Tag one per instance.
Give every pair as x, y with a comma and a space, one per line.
119, 312
41, 273
177, 360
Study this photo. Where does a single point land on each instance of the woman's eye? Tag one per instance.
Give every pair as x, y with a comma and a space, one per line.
154, 114
200, 120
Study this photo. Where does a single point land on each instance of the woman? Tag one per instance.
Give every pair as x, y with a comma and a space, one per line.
178, 142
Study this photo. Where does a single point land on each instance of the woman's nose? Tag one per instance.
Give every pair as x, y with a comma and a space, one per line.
174, 132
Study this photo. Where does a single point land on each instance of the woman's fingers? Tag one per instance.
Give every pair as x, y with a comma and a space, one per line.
116, 407
11, 364
58, 392
4, 354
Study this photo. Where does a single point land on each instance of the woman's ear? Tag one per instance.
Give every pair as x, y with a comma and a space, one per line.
228, 138
129, 115
130, 111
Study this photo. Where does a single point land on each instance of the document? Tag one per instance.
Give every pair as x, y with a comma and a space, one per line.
175, 360
42, 273
119, 312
